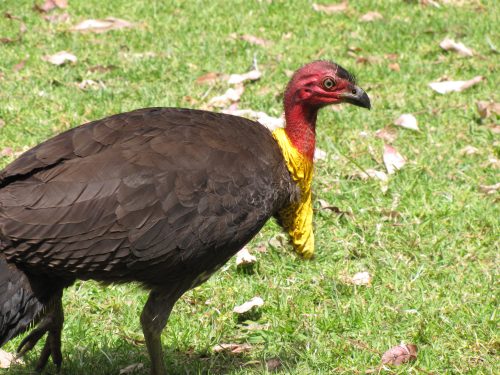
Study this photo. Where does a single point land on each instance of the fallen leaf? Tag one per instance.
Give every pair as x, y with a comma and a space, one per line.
273, 364
371, 16
244, 259
485, 108
229, 97
19, 65
55, 18
407, 121
91, 84
210, 78
101, 26
400, 354
101, 68
60, 58
7, 359
454, 86
279, 241
387, 134
450, 45
2, 123
394, 67
249, 305
392, 159
361, 278
327, 206
253, 75
50, 5
7, 151
319, 154
269, 122
331, 8
232, 348
469, 150
489, 189
255, 40
136, 367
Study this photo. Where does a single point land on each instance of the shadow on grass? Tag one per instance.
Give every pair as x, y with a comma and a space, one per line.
108, 361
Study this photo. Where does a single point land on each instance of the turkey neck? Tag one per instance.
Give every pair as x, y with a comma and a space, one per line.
301, 128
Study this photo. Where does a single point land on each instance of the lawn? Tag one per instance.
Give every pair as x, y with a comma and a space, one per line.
430, 241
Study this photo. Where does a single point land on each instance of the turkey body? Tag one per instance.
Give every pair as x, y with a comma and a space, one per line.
155, 196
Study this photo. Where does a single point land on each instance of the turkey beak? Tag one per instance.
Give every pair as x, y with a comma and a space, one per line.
357, 96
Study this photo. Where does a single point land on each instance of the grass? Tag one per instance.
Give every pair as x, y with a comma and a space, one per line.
434, 261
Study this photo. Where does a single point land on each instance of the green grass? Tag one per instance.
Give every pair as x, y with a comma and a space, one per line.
434, 266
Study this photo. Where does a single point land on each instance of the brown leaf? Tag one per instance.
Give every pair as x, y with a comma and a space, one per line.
101, 68
392, 159
50, 5
387, 134
232, 348
2, 123
331, 8
256, 40
7, 151
60, 58
371, 16
485, 108
210, 78
87, 84
252, 75
229, 97
391, 56
19, 65
273, 364
454, 86
489, 189
394, 67
450, 45
400, 354
469, 150
102, 26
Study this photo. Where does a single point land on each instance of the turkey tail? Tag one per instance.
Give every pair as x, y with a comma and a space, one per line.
20, 303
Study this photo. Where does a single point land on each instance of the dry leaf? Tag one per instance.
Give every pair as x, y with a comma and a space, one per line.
332, 8
19, 65
101, 26
485, 108
469, 150
269, 122
101, 68
489, 189
319, 154
371, 16
54, 18
49, 5
2, 123
372, 173
210, 78
400, 354
327, 206
229, 97
273, 364
394, 67
7, 151
232, 348
244, 259
360, 278
407, 121
91, 84
392, 159
255, 40
450, 45
253, 75
7, 359
249, 305
136, 367
387, 134
60, 58
454, 86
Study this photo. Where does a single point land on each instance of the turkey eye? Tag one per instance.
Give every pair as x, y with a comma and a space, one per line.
328, 83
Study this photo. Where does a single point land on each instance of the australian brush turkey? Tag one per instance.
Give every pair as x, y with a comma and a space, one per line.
159, 196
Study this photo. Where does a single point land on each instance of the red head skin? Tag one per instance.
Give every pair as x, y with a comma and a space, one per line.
308, 91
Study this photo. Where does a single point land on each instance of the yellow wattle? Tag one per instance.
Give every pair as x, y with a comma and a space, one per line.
297, 217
